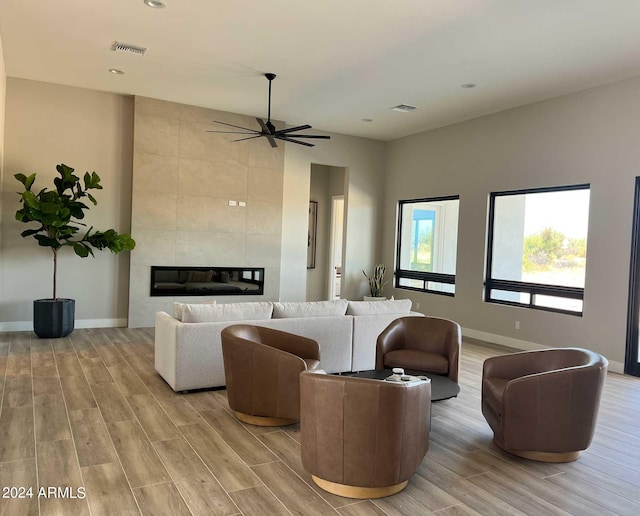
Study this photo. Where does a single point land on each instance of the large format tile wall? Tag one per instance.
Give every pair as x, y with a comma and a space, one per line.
183, 180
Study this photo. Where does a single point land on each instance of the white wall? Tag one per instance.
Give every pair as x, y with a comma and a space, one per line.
45, 125
586, 137
364, 163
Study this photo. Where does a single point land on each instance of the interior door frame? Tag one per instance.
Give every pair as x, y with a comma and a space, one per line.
631, 361
335, 199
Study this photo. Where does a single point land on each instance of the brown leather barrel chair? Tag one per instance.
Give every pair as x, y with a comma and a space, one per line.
542, 405
428, 344
363, 438
262, 368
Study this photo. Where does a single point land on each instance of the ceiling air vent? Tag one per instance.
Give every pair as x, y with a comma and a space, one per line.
403, 108
128, 49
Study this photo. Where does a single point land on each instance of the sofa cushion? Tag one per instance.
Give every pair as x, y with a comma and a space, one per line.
227, 312
178, 308
309, 309
392, 306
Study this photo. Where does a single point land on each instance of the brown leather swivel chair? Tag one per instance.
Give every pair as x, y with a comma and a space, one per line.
363, 438
426, 344
542, 405
262, 366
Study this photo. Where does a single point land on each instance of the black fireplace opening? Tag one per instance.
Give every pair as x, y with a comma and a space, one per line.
206, 281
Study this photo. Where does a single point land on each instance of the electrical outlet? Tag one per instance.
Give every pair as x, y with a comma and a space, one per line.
233, 203
242, 204
417, 306
517, 325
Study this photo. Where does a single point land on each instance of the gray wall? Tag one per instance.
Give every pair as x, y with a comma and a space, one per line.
183, 180
45, 125
363, 161
3, 91
586, 137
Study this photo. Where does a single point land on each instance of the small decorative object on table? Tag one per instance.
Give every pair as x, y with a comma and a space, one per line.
376, 280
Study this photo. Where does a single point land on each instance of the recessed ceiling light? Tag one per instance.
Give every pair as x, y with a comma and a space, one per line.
155, 4
468, 85
367, 120
115, 71
404, 108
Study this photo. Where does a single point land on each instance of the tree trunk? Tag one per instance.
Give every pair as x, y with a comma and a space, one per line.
55, 271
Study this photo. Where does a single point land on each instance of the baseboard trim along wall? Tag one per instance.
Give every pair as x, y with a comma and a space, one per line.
80, 323
523, 345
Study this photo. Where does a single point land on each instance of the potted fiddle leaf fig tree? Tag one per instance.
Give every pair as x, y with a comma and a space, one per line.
57, 214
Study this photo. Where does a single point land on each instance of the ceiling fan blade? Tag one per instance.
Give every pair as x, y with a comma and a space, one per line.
292, 129
234, 132
266, 132
265, 129
287, 139
249, 138
236, 126
319, 137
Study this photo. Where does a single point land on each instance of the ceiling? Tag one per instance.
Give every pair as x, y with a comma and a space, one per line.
337, 61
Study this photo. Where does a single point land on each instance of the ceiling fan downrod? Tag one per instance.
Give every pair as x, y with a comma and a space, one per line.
270, 77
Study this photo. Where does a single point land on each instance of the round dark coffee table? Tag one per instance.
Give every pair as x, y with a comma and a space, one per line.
442, 388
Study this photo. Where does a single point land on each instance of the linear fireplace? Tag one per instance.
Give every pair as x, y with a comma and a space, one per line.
206, 281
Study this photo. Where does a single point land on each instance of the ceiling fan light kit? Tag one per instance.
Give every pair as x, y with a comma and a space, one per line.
269, 131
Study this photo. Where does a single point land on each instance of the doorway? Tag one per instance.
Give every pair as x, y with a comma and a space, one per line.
335, 254
326, 184
632, 356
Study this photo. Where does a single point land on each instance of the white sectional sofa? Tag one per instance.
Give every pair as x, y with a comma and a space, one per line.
188, 347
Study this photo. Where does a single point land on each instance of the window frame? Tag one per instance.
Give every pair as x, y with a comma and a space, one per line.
532, 289
425, 277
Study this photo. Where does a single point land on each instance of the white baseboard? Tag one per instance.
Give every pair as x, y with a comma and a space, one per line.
524, 345
80, 323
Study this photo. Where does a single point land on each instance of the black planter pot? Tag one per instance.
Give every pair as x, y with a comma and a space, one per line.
53, 318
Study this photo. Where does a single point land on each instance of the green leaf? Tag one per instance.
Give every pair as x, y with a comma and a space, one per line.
29, 182
45, 241
49, 207
30, 199
92, 199
80, 250
30, 232
26, 181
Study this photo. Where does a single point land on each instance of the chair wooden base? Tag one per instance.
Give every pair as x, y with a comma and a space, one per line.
356, 491
543, 456
264, 421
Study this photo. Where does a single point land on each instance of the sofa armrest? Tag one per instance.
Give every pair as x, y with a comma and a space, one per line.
298, 345
515, 365
166, 330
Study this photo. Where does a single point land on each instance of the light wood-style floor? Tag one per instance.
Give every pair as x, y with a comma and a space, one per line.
90, 411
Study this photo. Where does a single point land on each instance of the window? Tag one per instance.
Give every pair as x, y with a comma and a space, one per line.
427, 245
537, 248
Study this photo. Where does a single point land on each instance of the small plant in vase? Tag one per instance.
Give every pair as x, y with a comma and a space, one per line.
376, 281
58, 213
